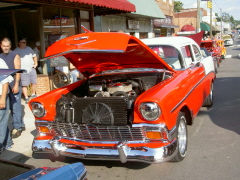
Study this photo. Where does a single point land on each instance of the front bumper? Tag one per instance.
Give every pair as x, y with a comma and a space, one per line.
121, 153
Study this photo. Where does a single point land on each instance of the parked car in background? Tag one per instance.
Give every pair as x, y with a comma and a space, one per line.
214, 49
135, 103
220, 43
209, 56
228, 41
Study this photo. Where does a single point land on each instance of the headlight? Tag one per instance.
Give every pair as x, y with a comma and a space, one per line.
150, 111
38, 110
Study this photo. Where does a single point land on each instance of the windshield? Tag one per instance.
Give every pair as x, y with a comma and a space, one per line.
169, 54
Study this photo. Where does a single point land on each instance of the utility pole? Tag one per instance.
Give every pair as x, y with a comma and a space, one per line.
211, 20
221, 22
198, 17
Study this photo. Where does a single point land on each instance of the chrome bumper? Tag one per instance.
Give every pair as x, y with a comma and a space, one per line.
122, 153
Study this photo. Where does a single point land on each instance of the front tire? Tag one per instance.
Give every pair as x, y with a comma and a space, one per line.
182, 138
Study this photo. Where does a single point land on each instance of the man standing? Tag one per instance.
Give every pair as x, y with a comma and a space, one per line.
29, 63
12, 59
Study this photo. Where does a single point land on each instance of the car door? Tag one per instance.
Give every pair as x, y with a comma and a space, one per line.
199, 67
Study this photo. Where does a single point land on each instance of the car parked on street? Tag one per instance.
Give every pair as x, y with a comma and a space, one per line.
228, 40
209, 56
135, 103
220, 43
214, 49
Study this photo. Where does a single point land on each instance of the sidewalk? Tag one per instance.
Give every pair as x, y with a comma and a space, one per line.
23, 144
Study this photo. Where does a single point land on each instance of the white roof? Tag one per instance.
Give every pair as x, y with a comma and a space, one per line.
176, 41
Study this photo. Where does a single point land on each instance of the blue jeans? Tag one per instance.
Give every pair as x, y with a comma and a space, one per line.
16, 109
5, 139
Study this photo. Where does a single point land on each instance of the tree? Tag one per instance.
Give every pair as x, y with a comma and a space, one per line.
178, 6
225, 17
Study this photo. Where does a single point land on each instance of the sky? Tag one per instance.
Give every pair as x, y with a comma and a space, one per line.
232, 7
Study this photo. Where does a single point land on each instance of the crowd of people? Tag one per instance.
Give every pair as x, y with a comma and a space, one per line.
12, 89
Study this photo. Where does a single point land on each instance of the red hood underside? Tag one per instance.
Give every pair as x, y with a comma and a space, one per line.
95, 52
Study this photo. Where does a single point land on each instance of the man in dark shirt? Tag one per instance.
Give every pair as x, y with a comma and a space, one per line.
13, 61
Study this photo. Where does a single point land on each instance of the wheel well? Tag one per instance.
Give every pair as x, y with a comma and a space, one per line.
188, 115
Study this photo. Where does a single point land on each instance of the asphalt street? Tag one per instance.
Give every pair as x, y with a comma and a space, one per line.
213, 140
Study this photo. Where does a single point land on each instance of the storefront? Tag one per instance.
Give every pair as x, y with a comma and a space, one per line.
138, 24
164, 27
48, 21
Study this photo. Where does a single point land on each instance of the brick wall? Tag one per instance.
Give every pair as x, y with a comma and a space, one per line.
43, 84
166, 7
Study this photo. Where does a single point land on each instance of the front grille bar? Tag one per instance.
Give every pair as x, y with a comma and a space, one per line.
92, 132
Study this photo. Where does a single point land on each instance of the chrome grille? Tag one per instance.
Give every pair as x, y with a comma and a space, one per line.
92, 132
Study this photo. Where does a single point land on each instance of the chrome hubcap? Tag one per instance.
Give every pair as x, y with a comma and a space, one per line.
211, 93
182, 136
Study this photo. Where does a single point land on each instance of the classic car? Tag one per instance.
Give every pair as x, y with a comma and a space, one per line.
210, 56
216, 51
228, 41
135, 103
19, 171
220, 43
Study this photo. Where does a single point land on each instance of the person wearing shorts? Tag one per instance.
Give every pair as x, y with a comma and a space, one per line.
29, 63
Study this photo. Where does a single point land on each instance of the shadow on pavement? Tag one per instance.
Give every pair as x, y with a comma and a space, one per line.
108, 164
225, 111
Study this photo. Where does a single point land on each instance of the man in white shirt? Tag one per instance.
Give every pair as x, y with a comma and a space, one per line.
4, 110
29, 63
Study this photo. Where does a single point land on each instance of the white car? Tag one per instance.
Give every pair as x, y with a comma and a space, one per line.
228, 41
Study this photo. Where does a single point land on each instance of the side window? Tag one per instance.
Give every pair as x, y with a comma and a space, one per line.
197, 53
186, 51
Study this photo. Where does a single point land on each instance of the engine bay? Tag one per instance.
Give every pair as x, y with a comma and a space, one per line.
107, 99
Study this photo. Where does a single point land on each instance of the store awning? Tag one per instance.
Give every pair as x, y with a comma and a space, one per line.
204, 27
114, 4
100, 7
188, 28
147, 8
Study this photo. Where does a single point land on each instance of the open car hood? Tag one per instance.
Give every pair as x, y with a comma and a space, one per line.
4, 73
94, 52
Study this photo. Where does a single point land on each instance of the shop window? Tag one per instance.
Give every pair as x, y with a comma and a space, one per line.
57, 21
85, 20
132, 33
143, 35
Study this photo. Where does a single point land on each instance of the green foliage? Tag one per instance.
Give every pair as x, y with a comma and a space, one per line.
178, 6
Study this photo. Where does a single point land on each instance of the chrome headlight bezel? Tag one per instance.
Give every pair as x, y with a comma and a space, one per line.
150, 111
38, 109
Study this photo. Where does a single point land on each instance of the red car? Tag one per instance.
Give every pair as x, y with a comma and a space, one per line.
135, 103
216, 51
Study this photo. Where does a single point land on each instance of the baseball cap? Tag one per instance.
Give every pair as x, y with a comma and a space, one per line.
22, 38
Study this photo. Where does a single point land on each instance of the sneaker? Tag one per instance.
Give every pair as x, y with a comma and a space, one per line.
23, 128
26, 100
8, 147
16, 133
33, 96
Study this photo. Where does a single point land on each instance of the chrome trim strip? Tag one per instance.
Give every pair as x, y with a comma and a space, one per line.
189, 93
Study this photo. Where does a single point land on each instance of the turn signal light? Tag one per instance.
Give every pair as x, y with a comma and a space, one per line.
153, 135
44, 129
